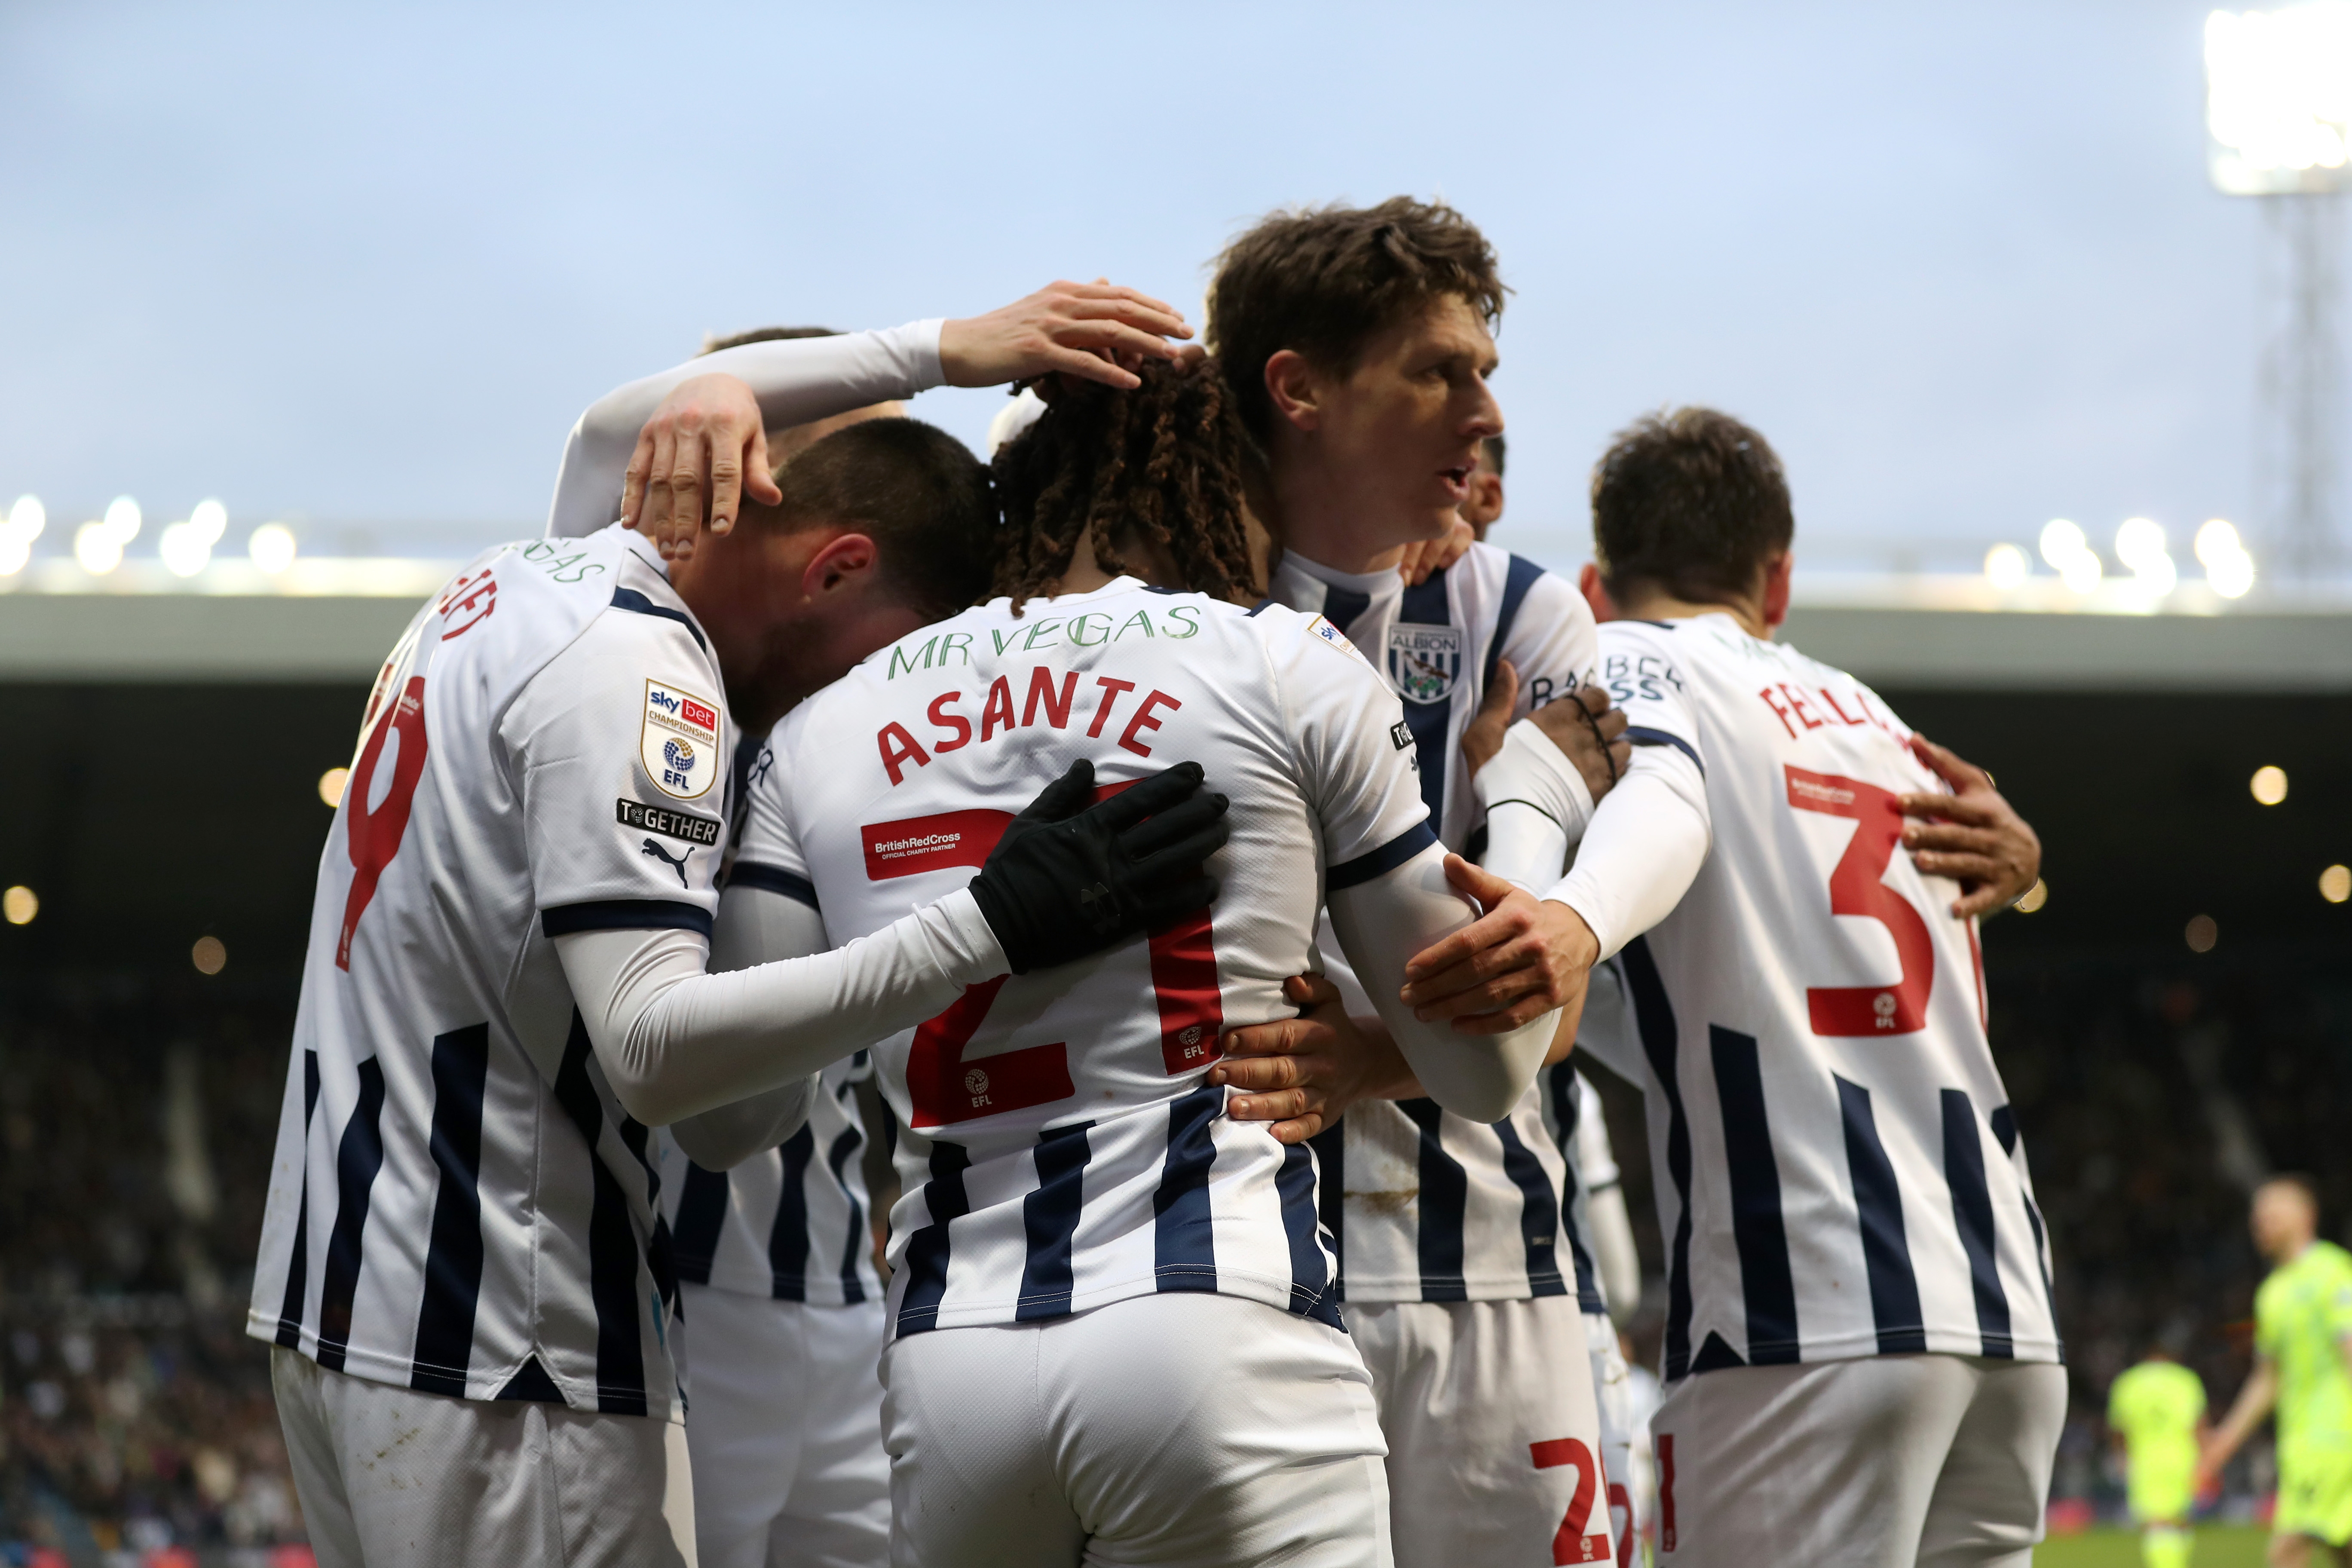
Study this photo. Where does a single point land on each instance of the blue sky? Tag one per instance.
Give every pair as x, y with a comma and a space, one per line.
364, 265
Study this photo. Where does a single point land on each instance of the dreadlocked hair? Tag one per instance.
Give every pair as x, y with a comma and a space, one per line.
1159, 468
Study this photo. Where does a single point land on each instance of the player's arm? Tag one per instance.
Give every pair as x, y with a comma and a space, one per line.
755, 925
1641, 851
2253, 1402
631, 914
679, 448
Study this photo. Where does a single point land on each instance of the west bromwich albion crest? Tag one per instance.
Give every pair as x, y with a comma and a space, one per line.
678, 743
1424, 661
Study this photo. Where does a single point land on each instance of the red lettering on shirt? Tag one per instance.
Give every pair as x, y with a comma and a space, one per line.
906, 750
1830, 698
1144, 720
1041, 686
1804, 714
1777, 712
1111, 688
960, 725
997, 712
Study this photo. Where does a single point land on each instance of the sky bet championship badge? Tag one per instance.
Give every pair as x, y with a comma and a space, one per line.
1424, 661
679, 744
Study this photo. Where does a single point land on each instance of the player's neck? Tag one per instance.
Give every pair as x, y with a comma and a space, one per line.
1314, 519
1659, 605
1085, 574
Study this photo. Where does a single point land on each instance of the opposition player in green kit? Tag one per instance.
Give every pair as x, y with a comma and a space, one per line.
2303, 1344
2158, 1410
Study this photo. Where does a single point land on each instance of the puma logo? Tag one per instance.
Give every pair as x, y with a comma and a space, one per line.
676, 865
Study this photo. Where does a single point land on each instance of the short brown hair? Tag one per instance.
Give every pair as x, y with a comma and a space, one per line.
1159, 465
1692, 500
914, 490
1322, 281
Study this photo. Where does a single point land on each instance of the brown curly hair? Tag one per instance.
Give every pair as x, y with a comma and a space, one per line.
1161, 465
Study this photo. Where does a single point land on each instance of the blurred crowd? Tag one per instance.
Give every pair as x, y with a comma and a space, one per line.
136, 1425
136, 1118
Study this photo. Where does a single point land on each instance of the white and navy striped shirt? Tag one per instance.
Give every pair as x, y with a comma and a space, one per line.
793, 1222
1571, 1113
457, 1203
1438, 1207
1062, 1149
1838, 1169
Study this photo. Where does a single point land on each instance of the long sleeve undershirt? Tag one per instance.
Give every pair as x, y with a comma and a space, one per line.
1644, 845
796, 380
676, 1042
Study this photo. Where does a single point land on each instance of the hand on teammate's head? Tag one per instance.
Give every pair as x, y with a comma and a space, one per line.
1517, 961
706, 439
1591, 733
1302, 1074
1073, 328
1972, 834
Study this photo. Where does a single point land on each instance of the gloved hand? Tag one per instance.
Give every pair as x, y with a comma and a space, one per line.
1068, 880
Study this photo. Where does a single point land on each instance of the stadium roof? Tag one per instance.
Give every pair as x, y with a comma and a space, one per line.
333, 619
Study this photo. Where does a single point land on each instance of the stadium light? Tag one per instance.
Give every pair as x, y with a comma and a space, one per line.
184, 548
2269, 785
2278, 99
2201, 933
2336, 884
18, 905
97, 548
123, 519
2229, 569
331, 784
2139, 544
209, 955
2070, 555
2007, 567
272, 547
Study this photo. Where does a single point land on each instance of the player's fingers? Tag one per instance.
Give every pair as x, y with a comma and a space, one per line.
1958, 867
1949, 836
687, 461
1119, 336
1482, 886
1262, 1075
1949, 765
1147, 797
1502, 692
1954, 807
1299, 1129
1091, 367
725, 484
1611, 725
1980, 903
1519, 1014
1065, 796
656, 522
1180, 824
1430, 968
1260, 1043
1489, 996
1101, 300
1268, 1107
759, 479
1310, 991
632, 480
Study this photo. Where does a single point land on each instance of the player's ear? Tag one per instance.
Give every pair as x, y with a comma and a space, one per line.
1776, 588
1295, 387
844, 561
1587, 583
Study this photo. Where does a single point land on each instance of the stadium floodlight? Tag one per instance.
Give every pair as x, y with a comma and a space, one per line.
2229, 569
97, 548
2071, 555
272, 547
2278, 99
209, 520
2268, 786
19, 904
123, 519
27, 518
184, 548
2139, 544
2007, 567
2336, 884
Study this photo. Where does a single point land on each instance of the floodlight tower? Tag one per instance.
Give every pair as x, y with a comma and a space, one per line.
2278, 110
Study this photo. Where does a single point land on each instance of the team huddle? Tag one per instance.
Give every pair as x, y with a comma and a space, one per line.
1198, 855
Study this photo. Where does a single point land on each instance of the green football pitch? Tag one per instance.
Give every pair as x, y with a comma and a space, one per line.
2218, 1546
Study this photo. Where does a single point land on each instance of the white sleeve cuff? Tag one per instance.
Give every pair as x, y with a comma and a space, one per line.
1531, 767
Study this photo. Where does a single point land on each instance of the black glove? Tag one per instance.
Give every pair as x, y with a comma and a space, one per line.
1068, 880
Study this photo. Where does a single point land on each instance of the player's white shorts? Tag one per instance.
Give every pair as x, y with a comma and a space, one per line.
1493, 1437
1181, 1430
1941, 1460
786, 1427
389, 1477
1612, 1398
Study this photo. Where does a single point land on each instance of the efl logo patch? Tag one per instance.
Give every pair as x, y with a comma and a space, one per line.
1331, 633
678, 743
701, 831
1424, 661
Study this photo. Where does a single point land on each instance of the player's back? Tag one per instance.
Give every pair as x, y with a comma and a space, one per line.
1834, 1143
2155, 1405
2303, 1314
459, 1203
1063, 1149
